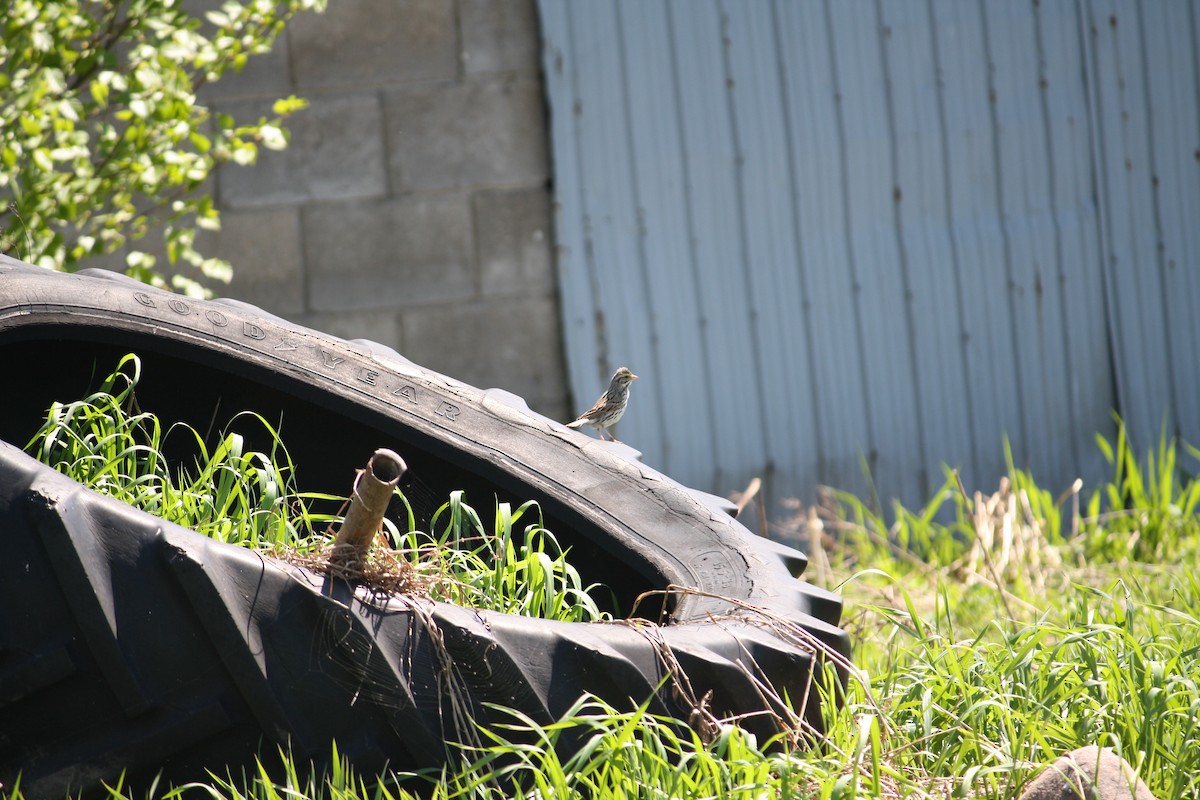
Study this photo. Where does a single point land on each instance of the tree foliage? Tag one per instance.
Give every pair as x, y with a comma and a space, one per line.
102, 139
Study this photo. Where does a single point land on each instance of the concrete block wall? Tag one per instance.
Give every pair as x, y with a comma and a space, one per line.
412, 206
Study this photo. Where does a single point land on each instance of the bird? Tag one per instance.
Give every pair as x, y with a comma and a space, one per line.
609, 409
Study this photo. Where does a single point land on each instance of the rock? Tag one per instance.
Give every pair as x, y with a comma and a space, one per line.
1092, 773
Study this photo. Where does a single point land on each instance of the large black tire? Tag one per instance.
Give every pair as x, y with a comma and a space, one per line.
131, 644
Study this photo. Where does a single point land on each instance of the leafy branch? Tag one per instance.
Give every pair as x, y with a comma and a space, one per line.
102, 139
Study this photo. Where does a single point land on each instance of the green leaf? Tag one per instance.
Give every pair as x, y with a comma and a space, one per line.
99, 92
288, 105
41, 157
200, 141
273, 137
245, 154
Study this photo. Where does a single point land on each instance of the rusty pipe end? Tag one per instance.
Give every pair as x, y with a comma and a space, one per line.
386, 466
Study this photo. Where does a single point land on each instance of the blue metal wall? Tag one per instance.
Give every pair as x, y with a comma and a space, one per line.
835, 233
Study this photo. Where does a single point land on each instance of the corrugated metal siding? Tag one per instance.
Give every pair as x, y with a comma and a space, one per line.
1144, 62
833, 232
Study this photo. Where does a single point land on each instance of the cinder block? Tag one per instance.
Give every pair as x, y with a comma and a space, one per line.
264, 249
336, 152
515, 344
413, 250
512, 228
499, 36
482, 132
371, 42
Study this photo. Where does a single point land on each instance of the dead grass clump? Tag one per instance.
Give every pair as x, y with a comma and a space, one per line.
379, 570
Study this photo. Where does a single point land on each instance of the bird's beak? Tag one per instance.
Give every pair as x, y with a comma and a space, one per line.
632, 377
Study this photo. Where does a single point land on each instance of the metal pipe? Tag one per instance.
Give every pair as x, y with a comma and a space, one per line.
373, 489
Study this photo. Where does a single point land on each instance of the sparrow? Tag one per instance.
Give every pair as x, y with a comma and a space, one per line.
609, 409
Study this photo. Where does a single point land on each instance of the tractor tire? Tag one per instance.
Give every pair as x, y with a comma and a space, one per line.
131, 646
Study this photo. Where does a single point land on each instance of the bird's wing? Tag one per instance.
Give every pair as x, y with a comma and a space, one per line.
594, 409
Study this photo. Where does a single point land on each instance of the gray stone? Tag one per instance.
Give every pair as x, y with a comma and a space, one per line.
264, 249
369, 42
499, 35
482, 132
514, 344
336, 152
1089, 773
512, 228
409, 251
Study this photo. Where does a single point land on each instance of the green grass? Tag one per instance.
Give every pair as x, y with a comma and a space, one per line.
247, 497
230, 493
993, 631
510, 567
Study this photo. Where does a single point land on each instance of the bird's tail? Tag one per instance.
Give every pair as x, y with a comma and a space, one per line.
577, 423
